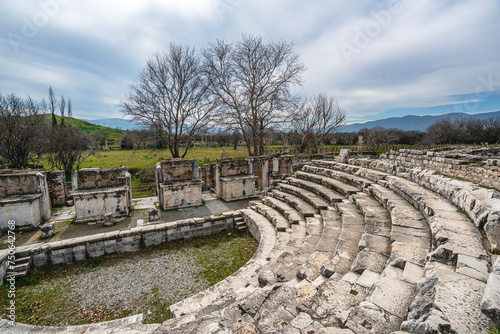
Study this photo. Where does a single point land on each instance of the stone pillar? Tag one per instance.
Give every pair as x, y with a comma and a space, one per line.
250, 166
41, 184
74, 180
218, 187
265, 174
196, 169
276, 165
128, 182
360, 142
159, 180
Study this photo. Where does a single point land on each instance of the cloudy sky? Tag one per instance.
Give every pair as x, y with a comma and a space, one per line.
379, 58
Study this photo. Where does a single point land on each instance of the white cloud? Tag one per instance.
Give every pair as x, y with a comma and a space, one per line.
427, 54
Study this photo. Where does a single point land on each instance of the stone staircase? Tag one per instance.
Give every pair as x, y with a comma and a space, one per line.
21, 268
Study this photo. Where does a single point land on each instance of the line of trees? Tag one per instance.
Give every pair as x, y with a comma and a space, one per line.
245, 88
30, 129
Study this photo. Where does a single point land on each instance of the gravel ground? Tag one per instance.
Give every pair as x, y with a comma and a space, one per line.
170, 275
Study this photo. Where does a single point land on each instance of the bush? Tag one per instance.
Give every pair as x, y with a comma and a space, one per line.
147, 175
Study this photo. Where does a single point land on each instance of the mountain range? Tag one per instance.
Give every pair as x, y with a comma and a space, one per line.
407, 123
412, 122
116, 123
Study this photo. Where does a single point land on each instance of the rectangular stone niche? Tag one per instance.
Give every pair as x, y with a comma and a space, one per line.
237, 187
178, 183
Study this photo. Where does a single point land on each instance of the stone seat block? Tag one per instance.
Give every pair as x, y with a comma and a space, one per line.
328, 182
305, 209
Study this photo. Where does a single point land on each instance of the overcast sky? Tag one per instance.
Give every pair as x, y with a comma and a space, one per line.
379, 58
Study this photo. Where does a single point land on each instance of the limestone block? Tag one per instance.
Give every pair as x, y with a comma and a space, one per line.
153, 215
368, 278
154, 238
40, 259
369, 318
272, 321
394, 296
492, 229
447, 300
473, 267
128, 244
61, 256
490, 304
80, 253
95, 249
48, 230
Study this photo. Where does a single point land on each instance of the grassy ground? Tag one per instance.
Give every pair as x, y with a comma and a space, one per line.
149, 157
45, 297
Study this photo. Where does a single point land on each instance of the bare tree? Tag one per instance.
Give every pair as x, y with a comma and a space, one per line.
316, 119
445, 131
68, 148
171, 96
21, 127
379, 136
252, 83
492, 129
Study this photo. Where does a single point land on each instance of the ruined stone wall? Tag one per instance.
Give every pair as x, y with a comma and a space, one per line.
285, 164
17, 184
56, 181
208, 176
468, 167
95, 178
178, 169
259, 165
96, 245
233, 167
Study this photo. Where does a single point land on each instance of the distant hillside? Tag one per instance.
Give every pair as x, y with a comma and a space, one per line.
110, 133
117, 123
411, 122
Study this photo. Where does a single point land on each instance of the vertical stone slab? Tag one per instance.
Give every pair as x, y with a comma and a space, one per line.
41, 181
196, 168
218, 186
128, 183
74, 180
159, 180
265, 174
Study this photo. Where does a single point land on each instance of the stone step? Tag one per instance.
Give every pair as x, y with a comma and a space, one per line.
288, 256
347, 178
326, 193
334, 300
375, 245
410, 233
346, 249
369, 175
305, 209
315, 200
293, 216
242, 226
452, 232
325, 248
209, 300
274, 216
327, 182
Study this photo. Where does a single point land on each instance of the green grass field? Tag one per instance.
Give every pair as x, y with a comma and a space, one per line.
148, 158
